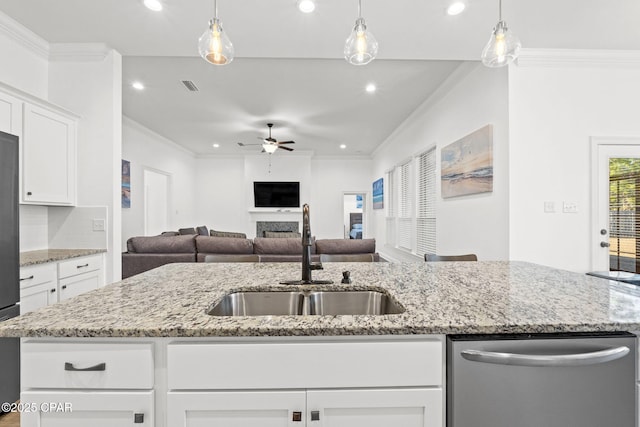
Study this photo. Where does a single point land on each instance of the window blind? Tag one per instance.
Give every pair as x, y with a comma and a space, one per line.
405, 217
426, 212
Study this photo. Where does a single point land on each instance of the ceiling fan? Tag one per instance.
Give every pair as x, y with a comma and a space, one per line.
270, 145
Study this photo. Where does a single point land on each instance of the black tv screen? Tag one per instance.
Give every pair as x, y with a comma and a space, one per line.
276, 194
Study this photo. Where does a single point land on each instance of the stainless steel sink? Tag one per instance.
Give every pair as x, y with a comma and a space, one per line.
278, 303
351, 302
259, 304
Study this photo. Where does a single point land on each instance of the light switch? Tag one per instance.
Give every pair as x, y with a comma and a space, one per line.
569, 207
549, 207
98, 225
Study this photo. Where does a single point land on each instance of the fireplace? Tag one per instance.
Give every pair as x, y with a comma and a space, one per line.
288, 226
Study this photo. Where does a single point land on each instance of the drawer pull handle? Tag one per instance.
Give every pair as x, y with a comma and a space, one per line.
297, 416
138, 418
82, 266
53, 291
27, 278
99, 367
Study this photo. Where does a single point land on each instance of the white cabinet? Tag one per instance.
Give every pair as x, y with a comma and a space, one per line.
10, 114
82, 409
46, 284
38, 286
307, 383
312, 408
48, 157
236, 409
81, 384
79, 275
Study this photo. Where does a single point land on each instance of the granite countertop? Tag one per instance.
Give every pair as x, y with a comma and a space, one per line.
440, 298
52, 255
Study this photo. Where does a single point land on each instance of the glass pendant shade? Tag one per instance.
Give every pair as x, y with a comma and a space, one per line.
361, 46
269, 147
214, 45
503, 47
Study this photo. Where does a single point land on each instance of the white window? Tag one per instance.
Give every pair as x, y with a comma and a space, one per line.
389, 189
426, 212
405, 214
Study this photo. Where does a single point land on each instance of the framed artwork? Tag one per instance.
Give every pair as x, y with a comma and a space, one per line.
378, 194
126, 184
467, 164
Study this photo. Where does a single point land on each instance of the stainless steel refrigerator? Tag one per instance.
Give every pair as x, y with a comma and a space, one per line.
9, 265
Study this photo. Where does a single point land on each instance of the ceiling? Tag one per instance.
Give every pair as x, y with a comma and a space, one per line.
288, 68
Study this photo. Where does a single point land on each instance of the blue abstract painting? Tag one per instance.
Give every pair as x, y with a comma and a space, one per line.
378, 194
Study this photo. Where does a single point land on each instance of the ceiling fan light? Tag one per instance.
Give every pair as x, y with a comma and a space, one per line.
269, 147
503, 47
361, 46
214, 45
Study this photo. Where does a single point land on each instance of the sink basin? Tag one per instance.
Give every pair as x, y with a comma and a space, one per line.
259, 304
351, 302
312, 303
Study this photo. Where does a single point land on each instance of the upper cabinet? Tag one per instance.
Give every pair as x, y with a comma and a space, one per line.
48, 157
47, 147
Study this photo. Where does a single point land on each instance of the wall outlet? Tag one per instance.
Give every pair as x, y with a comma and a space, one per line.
569, 207
549, 207
98, 225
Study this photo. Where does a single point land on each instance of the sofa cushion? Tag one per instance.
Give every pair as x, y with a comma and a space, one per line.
283, 234
223, 245
284, 246
346, 246
162, 244
215, 233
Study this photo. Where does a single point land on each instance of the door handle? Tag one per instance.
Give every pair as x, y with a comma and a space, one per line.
577, 359
604, 244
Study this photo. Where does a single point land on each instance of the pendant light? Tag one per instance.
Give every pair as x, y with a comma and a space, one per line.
503, 46
361, 46
214, 45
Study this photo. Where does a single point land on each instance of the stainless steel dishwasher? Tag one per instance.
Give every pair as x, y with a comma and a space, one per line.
541, 381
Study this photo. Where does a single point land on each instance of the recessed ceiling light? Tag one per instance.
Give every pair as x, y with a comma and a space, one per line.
370, 88
456, 8
154, 5
216, 145
137, 85
343, 146
306, 6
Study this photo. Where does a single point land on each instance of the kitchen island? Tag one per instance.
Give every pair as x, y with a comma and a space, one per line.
145, 349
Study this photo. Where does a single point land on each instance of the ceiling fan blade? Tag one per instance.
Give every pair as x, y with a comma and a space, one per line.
285, 148
242, 144
286, 142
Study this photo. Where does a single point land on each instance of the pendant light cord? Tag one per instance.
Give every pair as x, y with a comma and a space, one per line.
359, 8
215, 8
499, 10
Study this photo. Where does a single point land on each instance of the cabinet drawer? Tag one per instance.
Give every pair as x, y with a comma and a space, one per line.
35, 297
91, 366
397, 363
37, 275
79, 265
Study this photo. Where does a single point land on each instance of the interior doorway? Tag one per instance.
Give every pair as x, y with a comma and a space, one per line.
616, 229
156, 202
354, 214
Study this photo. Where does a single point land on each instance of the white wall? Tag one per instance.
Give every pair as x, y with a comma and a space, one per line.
146, 149
555, 106
331, 178
87, 79
473, 97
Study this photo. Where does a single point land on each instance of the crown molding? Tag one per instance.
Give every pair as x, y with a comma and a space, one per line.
578, 58
24, 36
81, 52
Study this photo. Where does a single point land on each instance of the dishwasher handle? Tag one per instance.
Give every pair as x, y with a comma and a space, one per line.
578, 359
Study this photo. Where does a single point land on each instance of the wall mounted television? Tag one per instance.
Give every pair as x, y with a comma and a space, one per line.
276, 194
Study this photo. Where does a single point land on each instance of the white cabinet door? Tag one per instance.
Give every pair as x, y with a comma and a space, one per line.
38, 296
76, 285
236, 409
83, 409
48, 157
375, 408
10, 114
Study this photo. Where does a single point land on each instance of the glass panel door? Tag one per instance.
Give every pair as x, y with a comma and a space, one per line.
624, 221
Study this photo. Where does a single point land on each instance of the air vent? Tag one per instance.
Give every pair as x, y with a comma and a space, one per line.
191, 86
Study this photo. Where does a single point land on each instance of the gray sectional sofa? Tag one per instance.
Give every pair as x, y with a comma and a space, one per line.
148, 252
